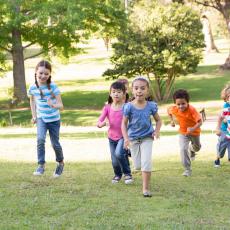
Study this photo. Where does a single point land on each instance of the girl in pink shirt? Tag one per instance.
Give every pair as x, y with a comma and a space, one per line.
113, 112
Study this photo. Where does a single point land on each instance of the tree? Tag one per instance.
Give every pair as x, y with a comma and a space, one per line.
162, 43
223, 6
208, 37
55, 26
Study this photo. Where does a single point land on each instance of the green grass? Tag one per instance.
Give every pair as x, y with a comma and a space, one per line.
84, 198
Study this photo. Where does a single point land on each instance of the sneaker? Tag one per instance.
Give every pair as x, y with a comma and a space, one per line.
116, 179
39, 171
217, 163
187, 172
147, 194
128, 179
59, 169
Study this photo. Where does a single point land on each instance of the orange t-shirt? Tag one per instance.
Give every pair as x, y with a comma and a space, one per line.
186, 119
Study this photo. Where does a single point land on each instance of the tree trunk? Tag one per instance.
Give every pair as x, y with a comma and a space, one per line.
208, 37
18, 67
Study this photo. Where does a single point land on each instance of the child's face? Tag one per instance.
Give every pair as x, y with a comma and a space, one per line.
116, 94
181, 104
140, 90
42, 74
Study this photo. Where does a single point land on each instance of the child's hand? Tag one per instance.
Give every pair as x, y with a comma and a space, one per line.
155, 135
190, 130
218, 132
49, 102
126, 143
172, 123
33, 120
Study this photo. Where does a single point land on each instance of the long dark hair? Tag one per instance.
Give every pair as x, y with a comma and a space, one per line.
117, 85
47, 65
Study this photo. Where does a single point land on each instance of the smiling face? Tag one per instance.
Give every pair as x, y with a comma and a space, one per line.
42, 75
181, 104
140, 90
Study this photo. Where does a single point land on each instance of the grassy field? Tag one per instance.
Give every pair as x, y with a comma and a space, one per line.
84, 198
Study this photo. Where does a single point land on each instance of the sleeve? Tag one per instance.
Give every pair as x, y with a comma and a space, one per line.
196, 115
126, 109
55, 90
104, 114
153, 107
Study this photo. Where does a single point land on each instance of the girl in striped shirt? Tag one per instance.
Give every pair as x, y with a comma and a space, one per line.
45, 103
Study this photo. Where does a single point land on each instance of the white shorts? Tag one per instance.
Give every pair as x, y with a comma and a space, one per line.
141, 152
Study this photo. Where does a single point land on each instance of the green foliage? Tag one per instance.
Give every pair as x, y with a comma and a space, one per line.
57, 27
163, 43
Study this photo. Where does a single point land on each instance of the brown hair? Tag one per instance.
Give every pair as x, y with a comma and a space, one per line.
47, 65
225, 92
181, 94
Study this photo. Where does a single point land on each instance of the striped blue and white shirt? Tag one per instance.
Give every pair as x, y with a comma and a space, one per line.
226, 114
43, 110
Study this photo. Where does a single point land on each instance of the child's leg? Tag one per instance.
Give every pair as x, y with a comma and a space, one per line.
41, 137
54, 129
146, 163
146, 176
122, 158
195, 144
136, 154
222, 145
115, 163
184, 145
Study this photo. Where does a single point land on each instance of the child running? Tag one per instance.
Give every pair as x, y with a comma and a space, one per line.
45, 102
189, 121
113, 112
222, 129
138, 132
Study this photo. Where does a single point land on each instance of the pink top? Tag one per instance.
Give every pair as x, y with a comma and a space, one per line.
114, 117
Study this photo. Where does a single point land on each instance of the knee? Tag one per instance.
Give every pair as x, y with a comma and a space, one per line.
40, 141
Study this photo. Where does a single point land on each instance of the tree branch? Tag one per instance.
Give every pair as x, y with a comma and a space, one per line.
30, 44
8, 50
37, 54
212, 4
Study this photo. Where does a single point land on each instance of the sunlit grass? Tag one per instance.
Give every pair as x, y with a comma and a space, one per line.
84, 198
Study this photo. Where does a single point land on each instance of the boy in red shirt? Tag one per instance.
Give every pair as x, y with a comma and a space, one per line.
189, 121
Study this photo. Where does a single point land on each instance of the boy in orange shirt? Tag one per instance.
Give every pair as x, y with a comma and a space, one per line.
189, 121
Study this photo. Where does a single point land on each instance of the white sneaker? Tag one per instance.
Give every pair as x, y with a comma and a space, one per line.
187, 172
128, 179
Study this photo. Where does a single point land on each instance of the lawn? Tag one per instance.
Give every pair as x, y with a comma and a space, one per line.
84, 198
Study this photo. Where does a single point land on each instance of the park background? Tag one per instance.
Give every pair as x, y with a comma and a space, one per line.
84, 198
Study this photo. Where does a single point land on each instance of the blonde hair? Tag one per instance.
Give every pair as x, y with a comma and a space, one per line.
225, 93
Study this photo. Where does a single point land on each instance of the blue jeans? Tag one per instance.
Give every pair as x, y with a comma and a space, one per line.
119, 157
54, 128
222, 145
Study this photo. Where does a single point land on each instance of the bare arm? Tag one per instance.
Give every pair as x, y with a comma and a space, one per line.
33, 109
196, 126
58, 104
158, 126
172, 122
219, 121
124, 131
